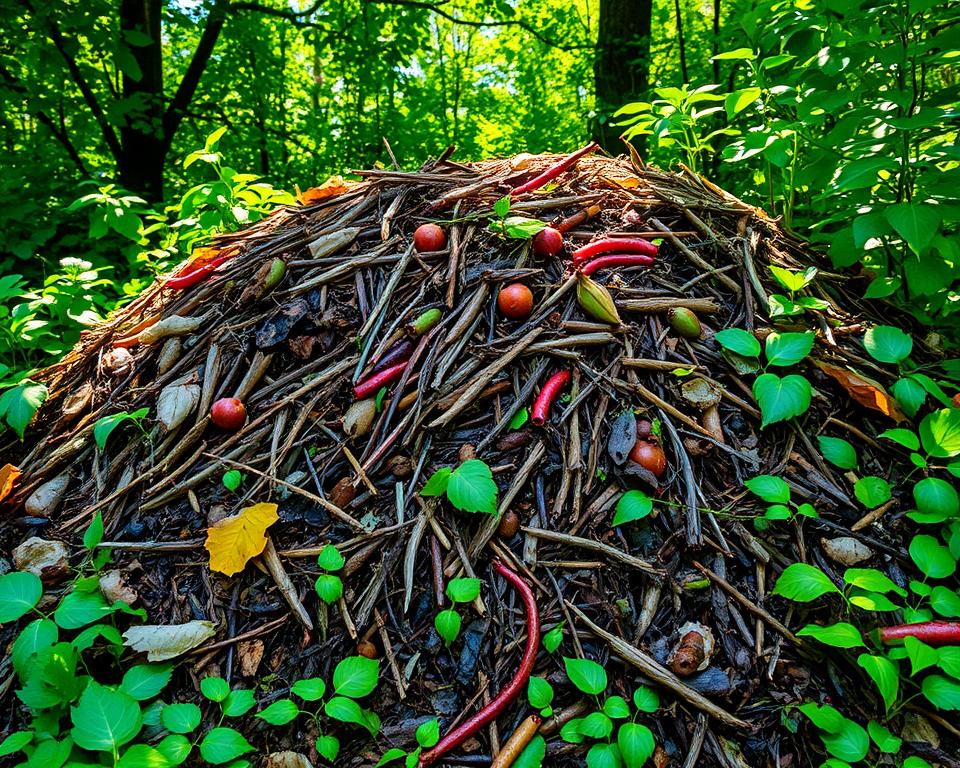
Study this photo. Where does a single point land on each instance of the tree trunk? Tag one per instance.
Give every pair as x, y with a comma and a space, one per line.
621, 67
142, 146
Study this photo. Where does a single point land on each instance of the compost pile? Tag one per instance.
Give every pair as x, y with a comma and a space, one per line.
291, 314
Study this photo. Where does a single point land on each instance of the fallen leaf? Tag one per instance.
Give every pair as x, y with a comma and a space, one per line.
167, 641
249, 653
864, 390
335, 185
114, 588
234, 540
175, 402
8, 476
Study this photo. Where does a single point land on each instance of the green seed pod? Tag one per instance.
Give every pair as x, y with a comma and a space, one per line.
278, 269
596, 301
425, 322
684, 323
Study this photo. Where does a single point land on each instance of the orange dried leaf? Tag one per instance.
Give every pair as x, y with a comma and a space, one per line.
8, 477
864, 390
335, 185
234, 540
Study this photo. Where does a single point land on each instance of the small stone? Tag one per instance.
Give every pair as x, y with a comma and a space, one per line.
115, 588
43, 558
287, 759
846, 550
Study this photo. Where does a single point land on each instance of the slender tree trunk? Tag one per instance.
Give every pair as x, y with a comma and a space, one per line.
681, 42
142, 145
716, 40
621, 68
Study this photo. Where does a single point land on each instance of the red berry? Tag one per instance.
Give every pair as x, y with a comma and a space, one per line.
650, 456
429, 237
956, 400
547, 242
228, 413
515, 301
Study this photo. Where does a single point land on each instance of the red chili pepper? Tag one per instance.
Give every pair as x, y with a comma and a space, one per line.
541, 406
613, 245
554, 170
616, 260
512, 689
386, 376
191, 278
930, 632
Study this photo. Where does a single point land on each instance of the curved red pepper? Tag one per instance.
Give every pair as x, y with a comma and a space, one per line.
512, 689
554, 170
616, 260
194, 276
386, 376
930, 632
613, 245
552, 387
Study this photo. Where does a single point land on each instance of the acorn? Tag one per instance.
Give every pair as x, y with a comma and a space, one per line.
650, 456
684, 322
367, 649
509, 525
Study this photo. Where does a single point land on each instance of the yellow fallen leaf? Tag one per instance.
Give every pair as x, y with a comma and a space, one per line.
335, 185
234, 540
8, 476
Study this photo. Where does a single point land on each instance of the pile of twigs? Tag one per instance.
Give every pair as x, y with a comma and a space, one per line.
292, 354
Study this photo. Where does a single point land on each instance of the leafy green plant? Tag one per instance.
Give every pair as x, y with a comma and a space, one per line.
469, 488
448, 622
776, 492
618, 739
329, 586
427, 735
513, 227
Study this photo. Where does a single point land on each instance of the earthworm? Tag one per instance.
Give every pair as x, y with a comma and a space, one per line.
541, 406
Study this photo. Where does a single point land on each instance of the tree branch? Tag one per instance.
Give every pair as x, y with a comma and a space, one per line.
177, 108
280, 13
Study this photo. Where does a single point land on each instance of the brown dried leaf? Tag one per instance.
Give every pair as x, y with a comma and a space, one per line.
335, 185
8, 476
864, 390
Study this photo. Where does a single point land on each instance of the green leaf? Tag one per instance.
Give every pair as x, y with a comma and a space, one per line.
279, 712
738, 341
389, 756
603, 756
37, 635
788, 348
887, 344
872, 579
78, 609
437, 484
739, 100
871, 601
936, 497
15, 742
781, 398
839, 635
106, 425
356, 676
551, 640
232, 479
348, 711
646, 699
942, 692
175, 748
802, 583
921, 655
328, 747
428, 733
596, 725
885, 741
144, 681
586, 675
18, 405
903, 437
330, 558
471, 488
910, 394
239, 702
940, 433
520, 418
215, 688
862, 173
533, 754
447, 623
636, 744
20, 591
769, 488
94, 533
221, 745
464, 590
570, 731
520, 227
180, 718
633, 505
949, 660
842, 737
104, 719
838, 451
539, 693
310, 689
932, 558
916, 223
791, 280
143, 756
884, 674
329, 588
502, 207
872, 491
946, 602
735, 55
616, 707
